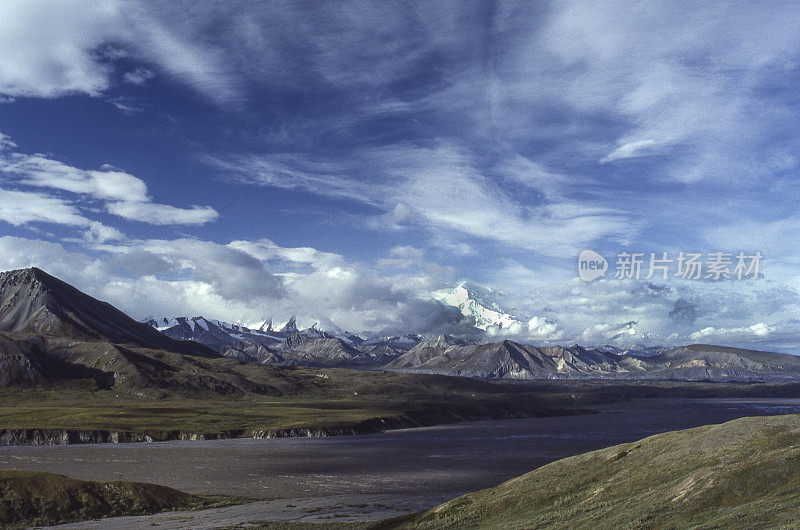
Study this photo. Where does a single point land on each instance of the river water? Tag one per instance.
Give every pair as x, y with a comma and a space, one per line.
374, 476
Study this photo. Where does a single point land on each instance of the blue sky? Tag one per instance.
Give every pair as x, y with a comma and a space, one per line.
347, 160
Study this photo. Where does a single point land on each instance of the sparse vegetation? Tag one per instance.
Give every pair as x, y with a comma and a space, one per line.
743, 474
37, 498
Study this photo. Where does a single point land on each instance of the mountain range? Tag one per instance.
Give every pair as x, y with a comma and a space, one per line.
511, 360
506, 359
52, 332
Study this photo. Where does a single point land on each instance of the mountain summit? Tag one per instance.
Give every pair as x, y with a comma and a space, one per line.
32, 301
52, 334
474, 304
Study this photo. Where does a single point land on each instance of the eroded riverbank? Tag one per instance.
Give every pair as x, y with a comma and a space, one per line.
378, 475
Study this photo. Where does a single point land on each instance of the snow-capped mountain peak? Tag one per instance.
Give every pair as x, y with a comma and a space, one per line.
193, 323
219, 335
472, 303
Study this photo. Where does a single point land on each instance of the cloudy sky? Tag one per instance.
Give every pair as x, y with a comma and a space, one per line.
345, 160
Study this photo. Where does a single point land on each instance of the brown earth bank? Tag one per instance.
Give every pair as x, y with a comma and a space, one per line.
36, 498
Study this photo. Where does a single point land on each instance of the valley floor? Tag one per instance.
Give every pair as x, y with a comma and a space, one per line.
356, 479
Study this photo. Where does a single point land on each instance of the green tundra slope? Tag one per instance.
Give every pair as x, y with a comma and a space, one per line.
36, 498
740, 474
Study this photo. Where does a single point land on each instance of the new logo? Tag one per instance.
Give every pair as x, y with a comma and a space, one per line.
591, 265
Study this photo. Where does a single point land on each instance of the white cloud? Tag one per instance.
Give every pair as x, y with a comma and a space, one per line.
780, 334
443, 187
552, 186
248, 281
42, 172
124, 194
267, 251
100, 233
53, 48
617, 332
679, 77
126, 105
77, 268
138, 77
23, 207
164, 35
543, 329
294, 171
726, 334
403, 257
537, 330
628, 150
768, 236
516, 277
440, 188
666, 75
228, 272
48, 46
6, 143
162, 214
234, 282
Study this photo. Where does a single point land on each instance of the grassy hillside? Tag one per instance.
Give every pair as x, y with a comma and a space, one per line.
743, 474
37, 498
